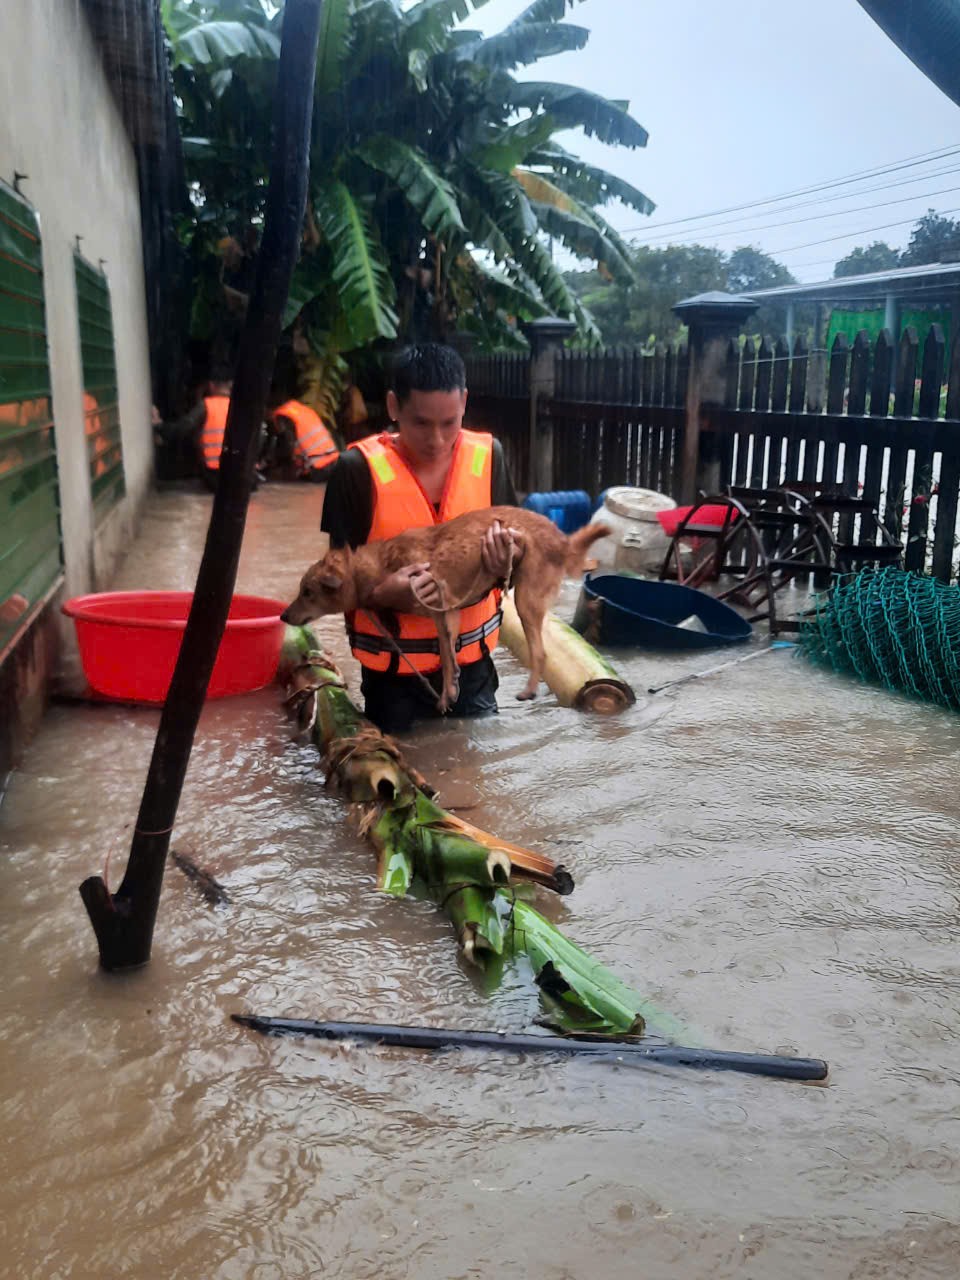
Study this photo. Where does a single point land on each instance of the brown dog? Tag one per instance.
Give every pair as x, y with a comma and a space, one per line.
343, 580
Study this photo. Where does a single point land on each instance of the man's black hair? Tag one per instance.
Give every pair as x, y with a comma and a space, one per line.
430, 366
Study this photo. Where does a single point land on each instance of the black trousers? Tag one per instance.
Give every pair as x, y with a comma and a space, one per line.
394, 702
211, 478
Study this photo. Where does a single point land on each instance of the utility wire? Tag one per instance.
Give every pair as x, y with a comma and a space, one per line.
927, 157
832, 213
848, 235
739, 229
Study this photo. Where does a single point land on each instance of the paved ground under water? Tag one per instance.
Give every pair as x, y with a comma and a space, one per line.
769, 854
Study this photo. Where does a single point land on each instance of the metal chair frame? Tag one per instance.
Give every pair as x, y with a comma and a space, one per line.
768, 539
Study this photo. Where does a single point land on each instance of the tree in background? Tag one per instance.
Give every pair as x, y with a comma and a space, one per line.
878, 256
933, 237
749, 269
436, 183
640, 312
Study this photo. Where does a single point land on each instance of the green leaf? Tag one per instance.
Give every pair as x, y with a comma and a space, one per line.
586, 182
443, 12
360, 268
513, 145
428, 26
581, 235
518, 46
424, 189
585, 995
497, 291
220, 81
579, 108
218, 42
307, 282
334, 43
503, 221
418, 64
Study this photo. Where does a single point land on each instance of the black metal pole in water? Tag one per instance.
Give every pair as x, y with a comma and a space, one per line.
123, 922
669, 1055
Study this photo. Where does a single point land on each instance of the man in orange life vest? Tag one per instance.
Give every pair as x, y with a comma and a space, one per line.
310, 445
429, 471
205, 425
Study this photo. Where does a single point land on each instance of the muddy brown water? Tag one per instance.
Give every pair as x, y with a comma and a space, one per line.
770, 855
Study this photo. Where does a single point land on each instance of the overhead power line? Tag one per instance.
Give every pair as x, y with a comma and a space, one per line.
849, 235
832, 213
941, 153
738, 228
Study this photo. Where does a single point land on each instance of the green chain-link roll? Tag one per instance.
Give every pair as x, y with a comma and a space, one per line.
893, 628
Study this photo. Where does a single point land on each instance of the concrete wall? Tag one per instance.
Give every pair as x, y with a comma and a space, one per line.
59, 124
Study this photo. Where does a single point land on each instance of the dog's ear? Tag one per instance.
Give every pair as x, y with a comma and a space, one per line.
331, 580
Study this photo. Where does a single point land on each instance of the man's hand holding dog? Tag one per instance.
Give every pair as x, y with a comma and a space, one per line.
500, 550
407, 589
414, 587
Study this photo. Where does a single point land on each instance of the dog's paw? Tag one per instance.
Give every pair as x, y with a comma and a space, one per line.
526, 695
448, 697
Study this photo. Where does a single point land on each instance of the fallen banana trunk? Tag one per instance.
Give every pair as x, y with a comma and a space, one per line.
467, 872
574, 671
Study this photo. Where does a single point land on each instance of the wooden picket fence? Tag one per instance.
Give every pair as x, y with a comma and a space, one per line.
879, 420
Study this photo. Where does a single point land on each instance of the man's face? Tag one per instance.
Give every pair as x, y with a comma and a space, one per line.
429, 423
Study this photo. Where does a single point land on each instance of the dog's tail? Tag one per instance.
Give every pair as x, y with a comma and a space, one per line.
579, 543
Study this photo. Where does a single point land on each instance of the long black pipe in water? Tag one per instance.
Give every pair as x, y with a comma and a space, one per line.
668, 1055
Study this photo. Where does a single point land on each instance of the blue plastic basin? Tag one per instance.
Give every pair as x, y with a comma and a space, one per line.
614, 609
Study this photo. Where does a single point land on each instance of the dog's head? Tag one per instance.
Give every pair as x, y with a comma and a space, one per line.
326, 587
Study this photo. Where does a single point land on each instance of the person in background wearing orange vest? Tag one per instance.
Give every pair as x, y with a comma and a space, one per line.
430, 470
205, 424
311, 446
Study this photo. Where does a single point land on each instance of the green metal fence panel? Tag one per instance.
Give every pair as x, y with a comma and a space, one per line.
31, 556
101, 410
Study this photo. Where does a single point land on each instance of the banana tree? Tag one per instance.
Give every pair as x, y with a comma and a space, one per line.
437, 188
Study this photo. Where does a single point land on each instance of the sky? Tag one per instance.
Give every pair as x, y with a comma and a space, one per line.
751, 100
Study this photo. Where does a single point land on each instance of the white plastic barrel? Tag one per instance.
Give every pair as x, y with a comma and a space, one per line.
637, 543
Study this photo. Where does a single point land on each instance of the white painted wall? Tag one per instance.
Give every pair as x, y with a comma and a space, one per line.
60, 125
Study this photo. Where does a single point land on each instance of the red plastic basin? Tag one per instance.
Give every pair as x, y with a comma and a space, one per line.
129, 641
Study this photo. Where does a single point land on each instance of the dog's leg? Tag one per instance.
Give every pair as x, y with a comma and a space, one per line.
531, 610
448, 626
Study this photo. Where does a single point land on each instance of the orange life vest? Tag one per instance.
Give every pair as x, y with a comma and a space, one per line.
214, 427
313, 446
399, 504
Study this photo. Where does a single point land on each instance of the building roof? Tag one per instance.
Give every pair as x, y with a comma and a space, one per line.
938, 281
928, 32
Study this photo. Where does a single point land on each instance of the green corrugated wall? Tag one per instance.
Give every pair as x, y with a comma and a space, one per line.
101, 414
30, 544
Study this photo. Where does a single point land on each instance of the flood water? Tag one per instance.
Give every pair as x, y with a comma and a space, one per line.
770, 855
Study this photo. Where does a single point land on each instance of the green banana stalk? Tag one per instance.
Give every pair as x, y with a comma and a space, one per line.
420, 845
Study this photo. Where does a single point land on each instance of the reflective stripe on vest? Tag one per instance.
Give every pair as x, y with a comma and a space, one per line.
314, 448
214, 427
399, 504
379, 643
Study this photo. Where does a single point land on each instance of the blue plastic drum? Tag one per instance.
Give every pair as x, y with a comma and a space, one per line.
569, 509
